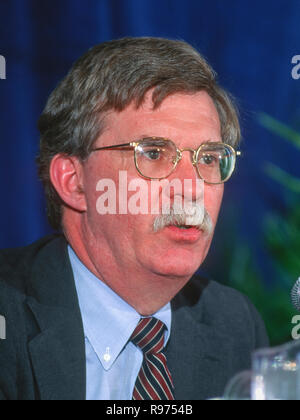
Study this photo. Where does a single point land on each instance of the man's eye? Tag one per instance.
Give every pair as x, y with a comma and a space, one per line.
152, 154
208, 159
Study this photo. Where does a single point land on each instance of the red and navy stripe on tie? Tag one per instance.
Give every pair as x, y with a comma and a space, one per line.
154, 381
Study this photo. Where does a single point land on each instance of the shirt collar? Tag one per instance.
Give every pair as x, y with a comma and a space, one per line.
108, 320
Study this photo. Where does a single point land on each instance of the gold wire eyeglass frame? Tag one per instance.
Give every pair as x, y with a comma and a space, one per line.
135, 144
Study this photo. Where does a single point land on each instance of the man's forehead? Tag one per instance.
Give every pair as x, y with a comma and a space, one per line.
188, 108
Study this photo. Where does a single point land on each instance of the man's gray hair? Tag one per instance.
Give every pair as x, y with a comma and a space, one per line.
110, 76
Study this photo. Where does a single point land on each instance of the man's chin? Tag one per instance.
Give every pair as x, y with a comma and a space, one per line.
174, 261
177, 268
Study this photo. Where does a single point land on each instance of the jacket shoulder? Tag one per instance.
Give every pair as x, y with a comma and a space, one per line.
226, 309
16, 264
233, 308
35, 282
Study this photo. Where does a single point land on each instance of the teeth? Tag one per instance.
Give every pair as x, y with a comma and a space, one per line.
183, 227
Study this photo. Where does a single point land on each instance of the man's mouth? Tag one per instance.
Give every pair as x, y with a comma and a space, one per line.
186, 227
183, 233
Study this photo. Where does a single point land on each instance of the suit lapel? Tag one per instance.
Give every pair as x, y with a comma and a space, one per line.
198, 352
58, 351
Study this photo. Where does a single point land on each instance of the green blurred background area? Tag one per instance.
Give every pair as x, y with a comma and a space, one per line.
279, 232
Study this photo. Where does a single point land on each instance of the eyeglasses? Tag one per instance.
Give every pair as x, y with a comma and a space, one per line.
157, 158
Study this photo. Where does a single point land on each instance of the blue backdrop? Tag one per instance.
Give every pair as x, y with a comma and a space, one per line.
250, 45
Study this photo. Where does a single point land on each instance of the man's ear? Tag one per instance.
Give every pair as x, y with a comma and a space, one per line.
66, 176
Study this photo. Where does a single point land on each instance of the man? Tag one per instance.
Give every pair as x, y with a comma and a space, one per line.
111, 309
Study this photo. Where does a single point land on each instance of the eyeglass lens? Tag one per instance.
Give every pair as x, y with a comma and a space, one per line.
156, 158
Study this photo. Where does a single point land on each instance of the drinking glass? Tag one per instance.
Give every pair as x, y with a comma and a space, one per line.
276, 373
239, 387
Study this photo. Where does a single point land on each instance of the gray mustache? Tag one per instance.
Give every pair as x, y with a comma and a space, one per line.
193, 216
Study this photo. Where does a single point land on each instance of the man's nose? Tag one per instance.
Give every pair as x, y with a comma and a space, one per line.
190, 186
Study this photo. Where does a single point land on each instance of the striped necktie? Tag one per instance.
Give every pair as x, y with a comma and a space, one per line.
154, 381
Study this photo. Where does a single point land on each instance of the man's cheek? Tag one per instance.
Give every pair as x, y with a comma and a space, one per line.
212, 200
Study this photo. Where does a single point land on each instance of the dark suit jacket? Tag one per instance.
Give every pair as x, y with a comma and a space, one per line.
214, 330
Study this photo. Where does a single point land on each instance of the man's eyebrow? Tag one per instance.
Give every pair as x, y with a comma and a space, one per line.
148, 136
143, 136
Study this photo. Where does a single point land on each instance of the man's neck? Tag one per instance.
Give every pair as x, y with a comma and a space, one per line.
140, 288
